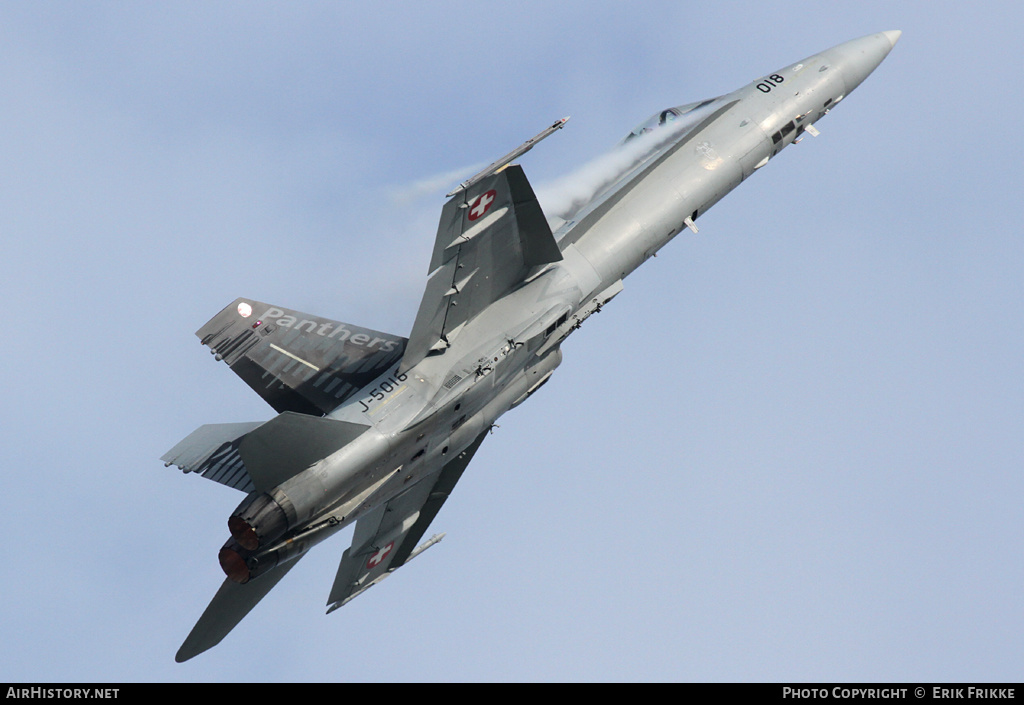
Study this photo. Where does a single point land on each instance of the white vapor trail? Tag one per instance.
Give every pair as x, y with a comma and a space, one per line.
403, 195
565, 196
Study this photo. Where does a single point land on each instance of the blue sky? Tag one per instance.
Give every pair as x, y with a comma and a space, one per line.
791, 449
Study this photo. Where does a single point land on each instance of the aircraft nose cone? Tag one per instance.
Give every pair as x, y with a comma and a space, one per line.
856, 59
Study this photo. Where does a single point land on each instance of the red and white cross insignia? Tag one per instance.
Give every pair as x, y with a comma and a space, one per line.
376, 558
481, 204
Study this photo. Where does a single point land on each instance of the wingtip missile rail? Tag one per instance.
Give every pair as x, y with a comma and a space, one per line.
499, 164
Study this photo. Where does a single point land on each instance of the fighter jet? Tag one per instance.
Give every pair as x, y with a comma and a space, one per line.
377, 429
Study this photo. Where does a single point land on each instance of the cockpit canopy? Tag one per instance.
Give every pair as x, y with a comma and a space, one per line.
665, 118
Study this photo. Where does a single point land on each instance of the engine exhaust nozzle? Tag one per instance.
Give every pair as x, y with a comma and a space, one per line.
257, 521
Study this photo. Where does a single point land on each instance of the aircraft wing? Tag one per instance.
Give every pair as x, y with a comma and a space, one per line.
229, 606
295, 361
490, 236
385, 539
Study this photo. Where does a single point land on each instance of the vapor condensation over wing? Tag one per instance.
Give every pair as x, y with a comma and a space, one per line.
564, 197
426, 186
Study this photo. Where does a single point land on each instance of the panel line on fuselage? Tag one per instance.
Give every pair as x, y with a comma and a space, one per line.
613, 198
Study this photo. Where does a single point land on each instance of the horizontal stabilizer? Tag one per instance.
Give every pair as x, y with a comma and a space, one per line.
212, 451
289, 443
261, 455
295, 361
229, 606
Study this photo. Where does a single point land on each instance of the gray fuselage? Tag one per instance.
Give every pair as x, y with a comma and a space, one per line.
435, 410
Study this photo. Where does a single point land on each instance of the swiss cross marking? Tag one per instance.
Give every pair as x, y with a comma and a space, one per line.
481, 204
376, 558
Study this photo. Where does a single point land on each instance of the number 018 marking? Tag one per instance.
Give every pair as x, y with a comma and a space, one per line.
766, 85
